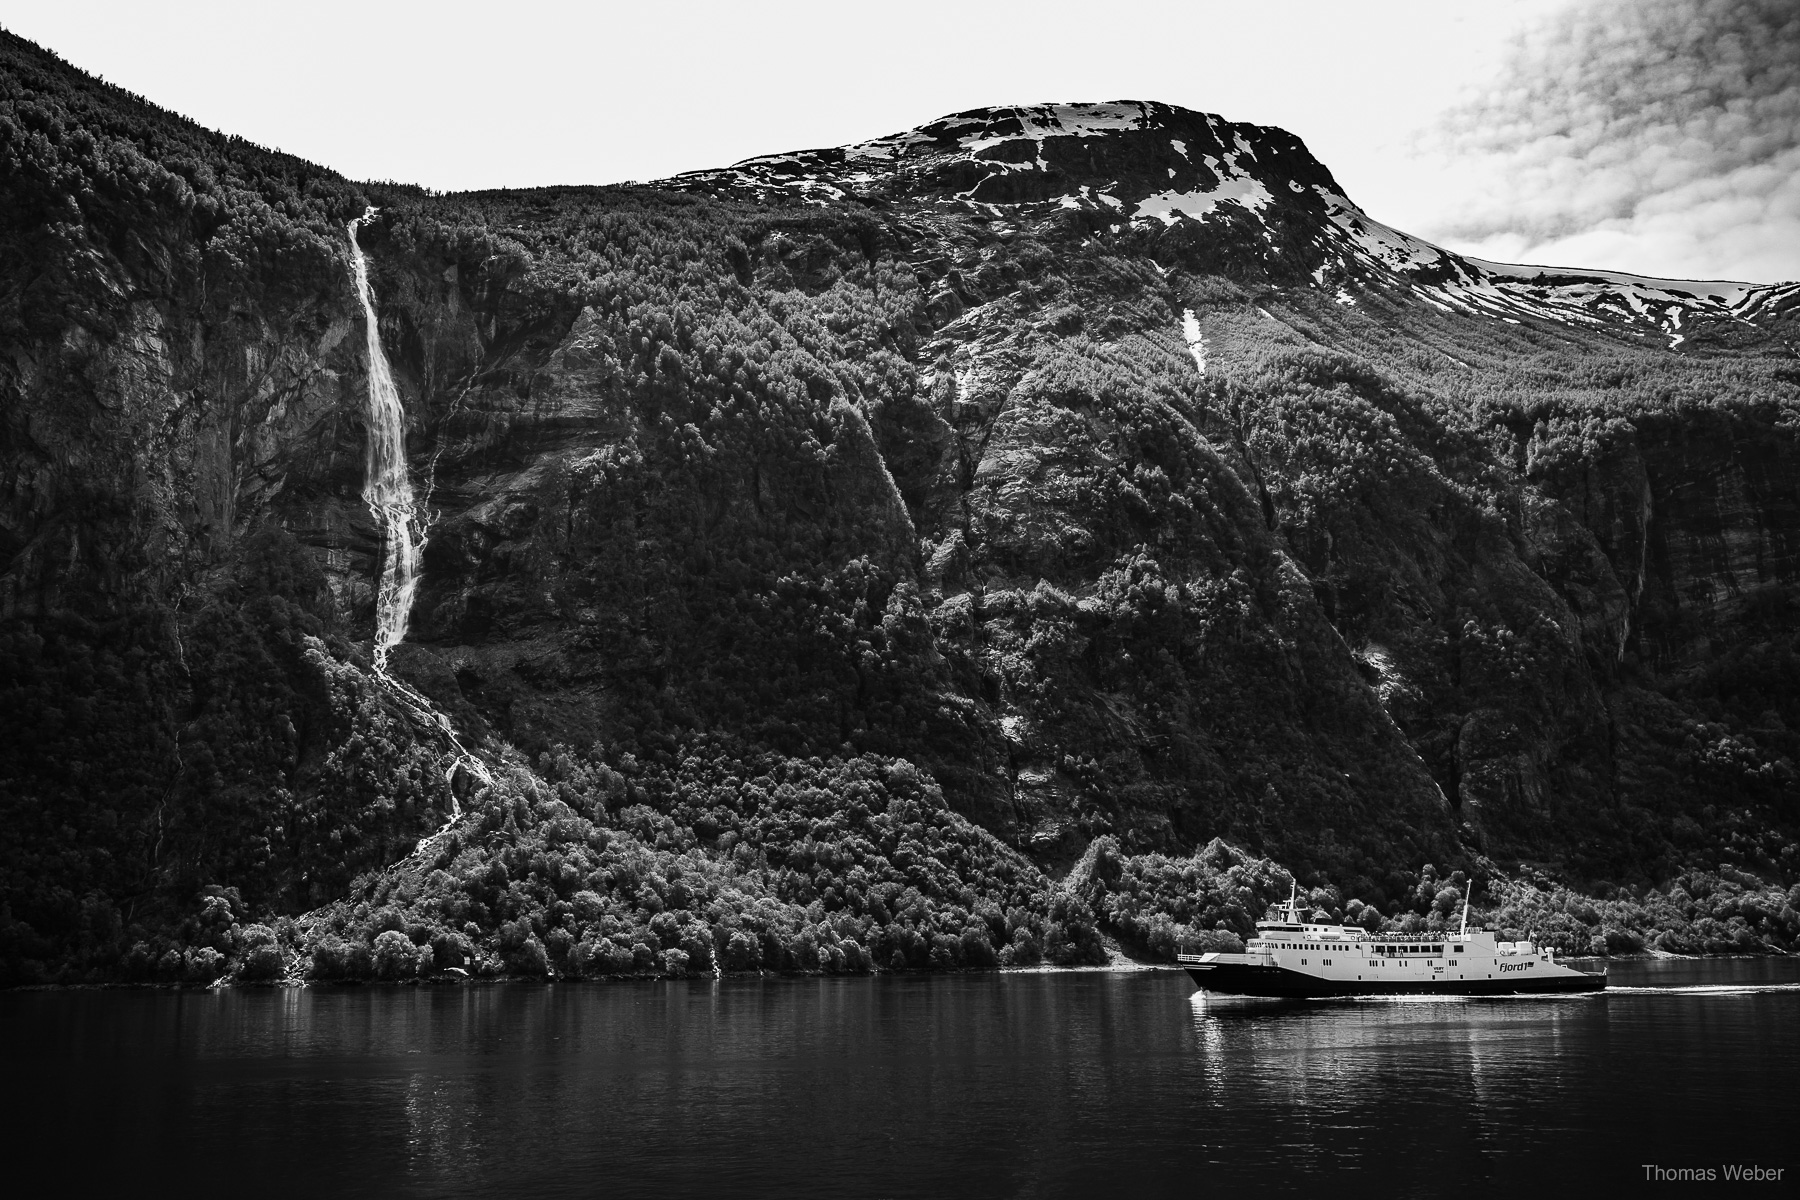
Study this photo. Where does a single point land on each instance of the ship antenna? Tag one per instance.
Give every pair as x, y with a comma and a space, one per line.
1293, 908
1465, 920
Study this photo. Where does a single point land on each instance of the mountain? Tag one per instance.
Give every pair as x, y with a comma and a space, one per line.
1137, 163
1045, 524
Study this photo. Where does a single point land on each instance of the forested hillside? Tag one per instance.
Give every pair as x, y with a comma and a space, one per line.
1040, 527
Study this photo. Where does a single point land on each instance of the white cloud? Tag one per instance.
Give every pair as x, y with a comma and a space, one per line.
1660, 136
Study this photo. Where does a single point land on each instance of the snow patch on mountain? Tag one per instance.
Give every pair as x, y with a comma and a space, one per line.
1190, 333
1169, 207
1383, 244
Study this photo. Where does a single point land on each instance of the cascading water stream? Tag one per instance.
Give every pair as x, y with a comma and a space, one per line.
388, 491
387, 484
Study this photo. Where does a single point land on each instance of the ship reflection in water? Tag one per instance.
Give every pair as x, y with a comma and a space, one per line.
1347, 1074
1053, 1084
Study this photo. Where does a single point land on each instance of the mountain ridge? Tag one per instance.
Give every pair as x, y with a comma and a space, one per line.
981, 148
834, 584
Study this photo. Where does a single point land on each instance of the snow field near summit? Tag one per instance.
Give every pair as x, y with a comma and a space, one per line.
1168, 207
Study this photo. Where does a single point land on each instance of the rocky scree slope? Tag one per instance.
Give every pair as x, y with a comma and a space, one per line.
832, 550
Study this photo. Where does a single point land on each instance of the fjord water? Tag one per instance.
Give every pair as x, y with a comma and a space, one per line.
1066, 1083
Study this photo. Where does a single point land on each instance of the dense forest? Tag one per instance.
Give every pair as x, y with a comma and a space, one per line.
836, 581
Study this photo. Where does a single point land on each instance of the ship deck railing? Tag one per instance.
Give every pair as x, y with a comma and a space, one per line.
1356, 934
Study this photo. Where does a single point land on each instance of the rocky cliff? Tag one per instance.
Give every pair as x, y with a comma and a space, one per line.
1090, 475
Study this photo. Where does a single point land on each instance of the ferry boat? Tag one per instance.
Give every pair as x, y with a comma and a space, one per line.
1293, 957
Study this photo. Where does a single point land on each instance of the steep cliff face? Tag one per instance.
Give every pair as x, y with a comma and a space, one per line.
180, 452
1099, 467
1030, 571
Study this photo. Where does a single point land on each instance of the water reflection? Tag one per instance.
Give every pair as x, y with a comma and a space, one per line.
1045, 1084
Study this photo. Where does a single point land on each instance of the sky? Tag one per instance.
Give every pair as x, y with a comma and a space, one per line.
1655, 136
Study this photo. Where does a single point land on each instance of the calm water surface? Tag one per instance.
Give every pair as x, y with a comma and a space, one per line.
1057, 1084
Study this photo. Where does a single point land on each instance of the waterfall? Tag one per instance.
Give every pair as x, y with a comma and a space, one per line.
388, 491
387, 485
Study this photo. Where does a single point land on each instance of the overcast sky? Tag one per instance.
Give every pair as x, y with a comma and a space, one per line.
1657, 136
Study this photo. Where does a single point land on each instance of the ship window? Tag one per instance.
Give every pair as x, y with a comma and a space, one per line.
1458, 949
1327, 962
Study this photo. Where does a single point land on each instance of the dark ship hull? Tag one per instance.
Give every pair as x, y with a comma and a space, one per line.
1247, 979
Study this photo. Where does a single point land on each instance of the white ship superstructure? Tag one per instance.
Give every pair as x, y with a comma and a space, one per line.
1293, 957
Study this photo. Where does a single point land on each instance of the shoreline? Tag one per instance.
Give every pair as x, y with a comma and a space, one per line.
1119, 964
